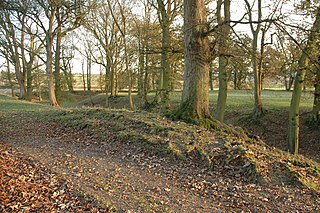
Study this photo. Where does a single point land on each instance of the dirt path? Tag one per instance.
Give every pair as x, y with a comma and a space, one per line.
125, 177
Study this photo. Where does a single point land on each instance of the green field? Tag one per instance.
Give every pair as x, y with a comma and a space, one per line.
241, 101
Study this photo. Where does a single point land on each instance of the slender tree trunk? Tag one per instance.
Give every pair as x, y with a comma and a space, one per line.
14, 49
89, 73
13, 94
195, 103
165, 74
146, 81
107, 85
57, 77
52, 95
29, 83
257, 111
23, 58
112, 77
293, 132
294, 124
223, 87
223, 60
141, 69
29, 67
316, 100
83, 77
211, 79
235, 78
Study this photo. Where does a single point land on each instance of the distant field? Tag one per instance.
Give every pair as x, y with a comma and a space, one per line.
243, 100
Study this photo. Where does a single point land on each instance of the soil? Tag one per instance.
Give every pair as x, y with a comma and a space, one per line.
114, 176
273, 127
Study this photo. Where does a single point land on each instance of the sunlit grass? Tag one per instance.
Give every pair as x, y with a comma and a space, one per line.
8, 104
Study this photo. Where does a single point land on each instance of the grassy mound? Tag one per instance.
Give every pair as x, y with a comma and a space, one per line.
233, 155
222, 152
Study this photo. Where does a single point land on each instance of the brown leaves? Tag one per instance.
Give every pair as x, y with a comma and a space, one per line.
26, 186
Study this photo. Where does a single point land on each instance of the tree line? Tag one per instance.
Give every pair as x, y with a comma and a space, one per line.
156, 45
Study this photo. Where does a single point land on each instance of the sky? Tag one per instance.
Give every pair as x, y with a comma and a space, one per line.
237, 11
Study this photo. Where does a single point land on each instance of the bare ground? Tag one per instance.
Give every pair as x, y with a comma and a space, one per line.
124, 178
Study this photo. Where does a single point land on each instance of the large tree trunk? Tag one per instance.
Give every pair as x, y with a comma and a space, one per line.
293, 132
195, 104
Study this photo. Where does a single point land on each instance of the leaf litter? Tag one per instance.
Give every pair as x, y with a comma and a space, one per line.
125, 176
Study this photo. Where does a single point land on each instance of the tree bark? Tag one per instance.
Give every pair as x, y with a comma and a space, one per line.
83, 77
165, 74
57, 61
195, 104
316, 100
223, 60
51, 89
293, 132
257, 110
10, 79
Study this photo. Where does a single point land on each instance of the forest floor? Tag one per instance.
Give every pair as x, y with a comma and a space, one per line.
95, 160
271, 127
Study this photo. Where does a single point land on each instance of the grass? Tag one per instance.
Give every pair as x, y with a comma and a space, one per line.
156, 134
8, 104
237, 100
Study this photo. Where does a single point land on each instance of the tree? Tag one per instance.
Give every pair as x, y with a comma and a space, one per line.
167, 12
10, 50
293, 130
316, 99
195, 103
257, 112
10, 79
223, 34
123, 32
105, 35
69, 15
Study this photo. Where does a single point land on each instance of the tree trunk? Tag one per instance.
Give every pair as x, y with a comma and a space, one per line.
195, 104
23, 58
141, 69
293, 132
29, 67
89, 73
52, 95
211, 79
10, 80
223, 60
29, 83
57, 77
316, 100
146, 81
165, 72
83, 77
257, 111
223, 87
